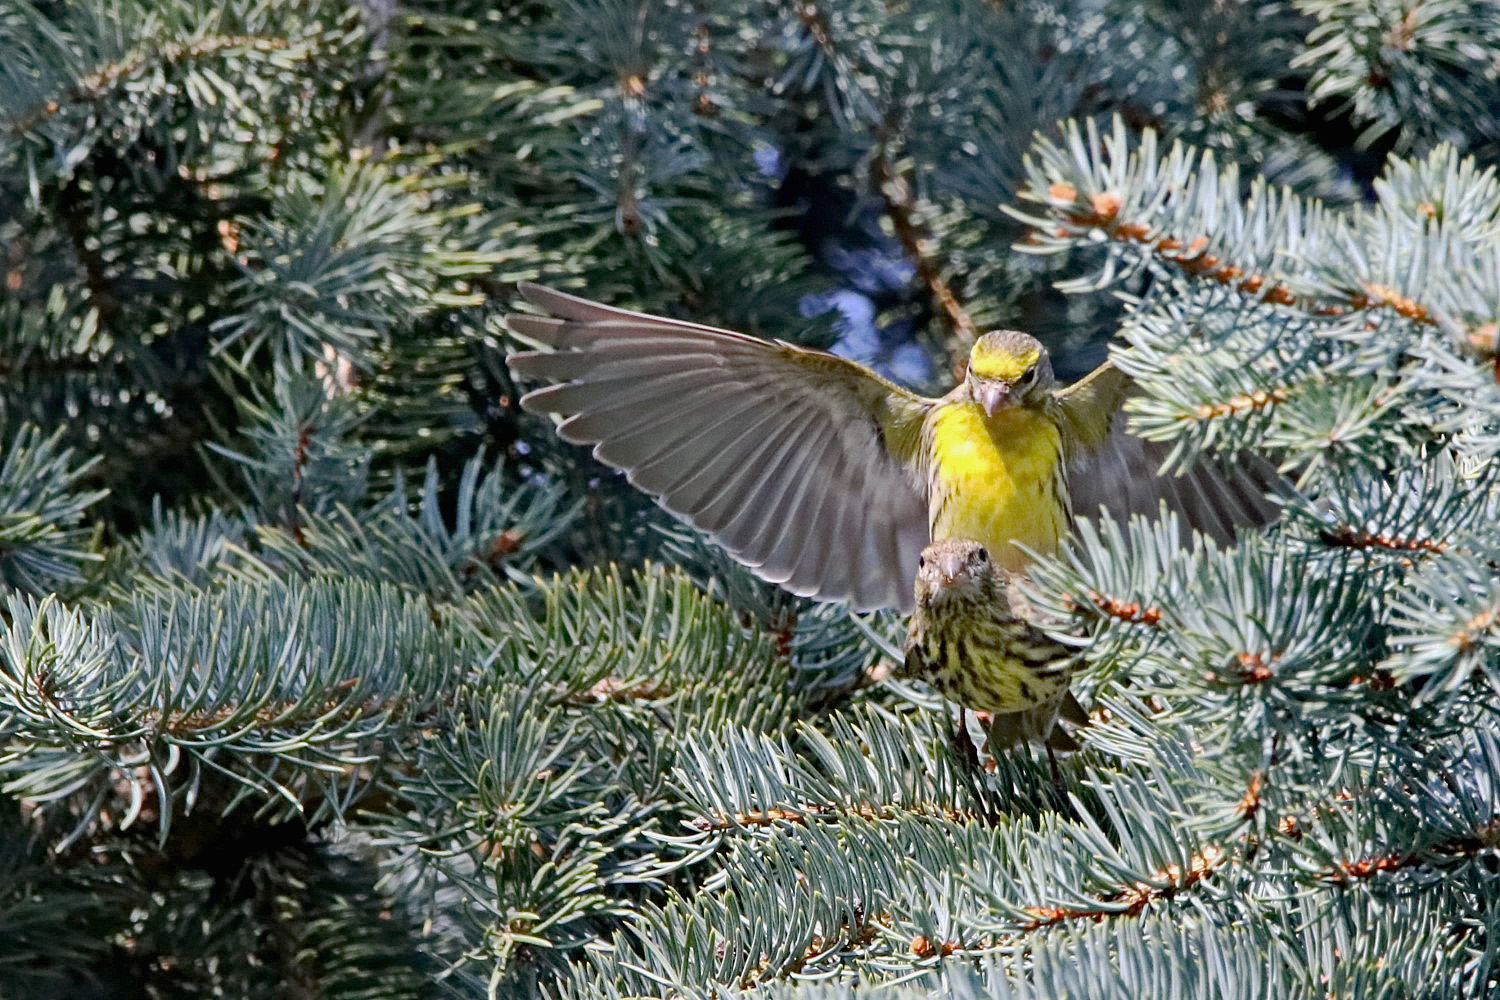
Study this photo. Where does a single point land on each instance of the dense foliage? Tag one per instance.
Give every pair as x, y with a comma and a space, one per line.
326, 671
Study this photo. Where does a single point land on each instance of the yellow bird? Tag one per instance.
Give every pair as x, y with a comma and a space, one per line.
971, 640
825, 478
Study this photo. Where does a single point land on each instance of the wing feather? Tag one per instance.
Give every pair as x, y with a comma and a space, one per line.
770, 474
836, 521
787, 537
621, 391
638, 430
1111, 469
805, 466
687, 469
682, 466
740, 471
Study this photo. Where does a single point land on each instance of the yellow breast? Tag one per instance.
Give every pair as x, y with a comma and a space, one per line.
997, 480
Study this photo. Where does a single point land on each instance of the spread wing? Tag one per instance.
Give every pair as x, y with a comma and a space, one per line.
804, 466
1108, 467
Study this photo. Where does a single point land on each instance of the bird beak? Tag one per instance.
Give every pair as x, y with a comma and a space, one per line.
992, 396
950, 565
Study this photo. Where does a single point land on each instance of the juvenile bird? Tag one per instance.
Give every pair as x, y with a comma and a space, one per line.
827, 479
970, 643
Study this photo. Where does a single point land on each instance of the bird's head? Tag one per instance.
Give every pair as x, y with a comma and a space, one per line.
1008, 368
955, 568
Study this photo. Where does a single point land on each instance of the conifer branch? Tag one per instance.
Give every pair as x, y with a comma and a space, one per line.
860, 934
925, 948
627, 201
1250, 803
300, 456
1100, 210
918, 244
271, 714
1253, 402
1467, 635
101, 82
1123, 610
74, 209
1480, 841
1083, 199
1349, 537
1250, 668
1191, 258
1484, 343
1376, 680
810, 812
1132, 901
704, 104
816, 24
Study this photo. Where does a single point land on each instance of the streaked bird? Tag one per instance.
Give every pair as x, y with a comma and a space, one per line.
970, 641
829, 480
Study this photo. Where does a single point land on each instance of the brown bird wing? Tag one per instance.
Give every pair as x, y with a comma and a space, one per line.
806, 467
1109, 467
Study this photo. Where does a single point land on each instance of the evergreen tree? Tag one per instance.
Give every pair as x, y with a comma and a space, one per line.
326, 671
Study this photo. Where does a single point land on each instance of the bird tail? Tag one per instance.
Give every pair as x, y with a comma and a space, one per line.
1060, 738
1008, 729
1072, 711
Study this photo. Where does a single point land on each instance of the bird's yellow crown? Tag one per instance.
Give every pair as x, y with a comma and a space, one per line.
1005, 355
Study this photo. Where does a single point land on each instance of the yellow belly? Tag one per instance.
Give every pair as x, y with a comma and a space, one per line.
996, 481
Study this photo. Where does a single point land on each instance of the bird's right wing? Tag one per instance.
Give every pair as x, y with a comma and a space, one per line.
806, 467
1111, 468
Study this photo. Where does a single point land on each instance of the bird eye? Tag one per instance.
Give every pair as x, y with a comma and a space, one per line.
983, 555
921, 561
1029, 377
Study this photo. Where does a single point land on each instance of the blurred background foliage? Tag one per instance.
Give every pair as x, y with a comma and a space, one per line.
327, 672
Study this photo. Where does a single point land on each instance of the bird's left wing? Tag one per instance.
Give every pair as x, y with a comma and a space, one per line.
806, 467
1109, 467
